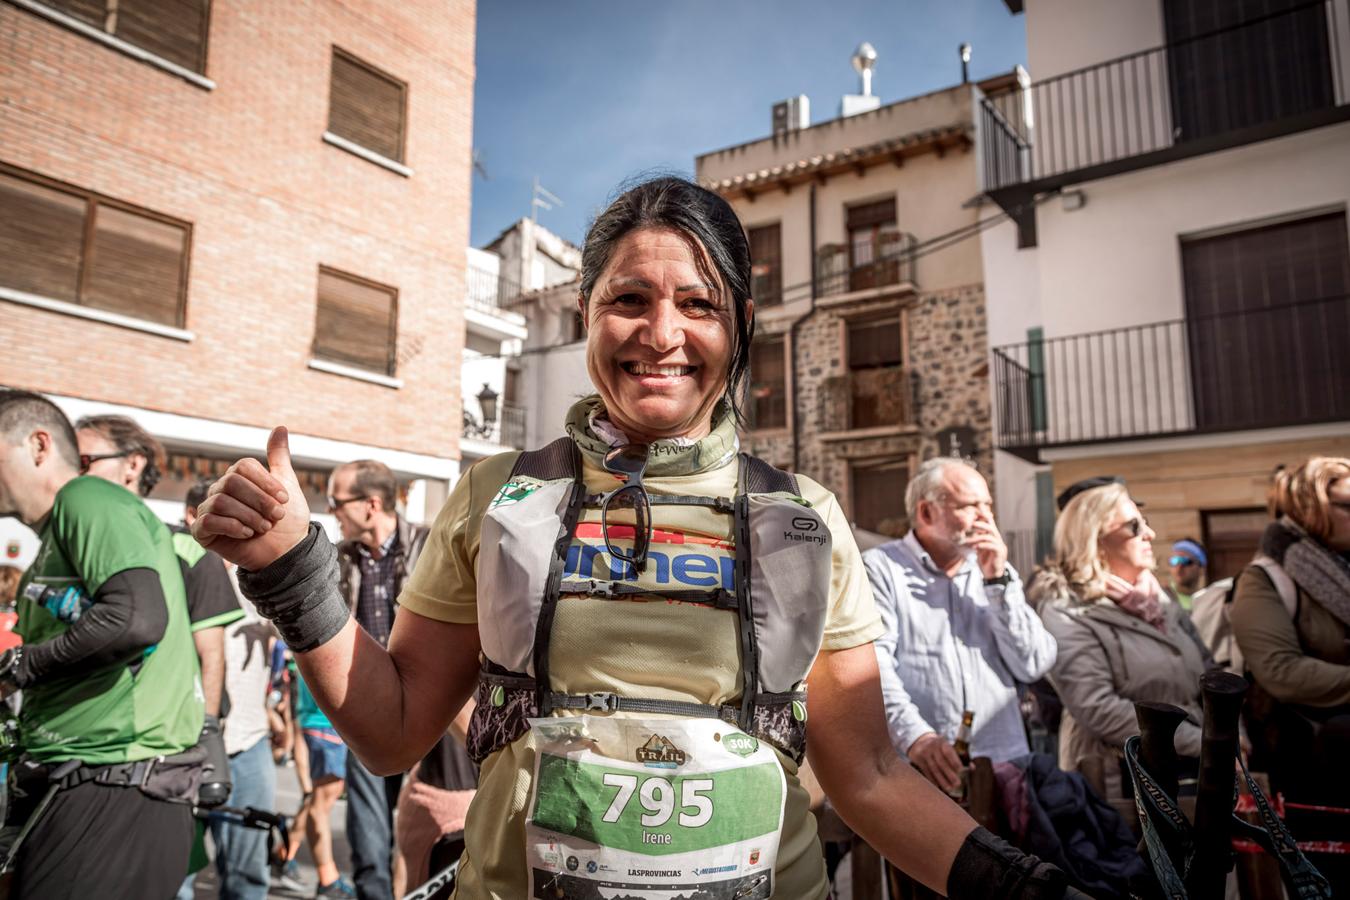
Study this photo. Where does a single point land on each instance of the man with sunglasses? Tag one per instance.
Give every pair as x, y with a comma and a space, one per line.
112, 695
377, 553
1187, 568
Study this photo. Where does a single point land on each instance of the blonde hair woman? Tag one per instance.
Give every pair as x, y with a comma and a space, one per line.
1291, 618
1121, 640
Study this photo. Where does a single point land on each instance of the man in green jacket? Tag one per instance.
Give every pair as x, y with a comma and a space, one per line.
108, 670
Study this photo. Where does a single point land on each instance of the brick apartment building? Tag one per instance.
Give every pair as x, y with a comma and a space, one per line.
218, 217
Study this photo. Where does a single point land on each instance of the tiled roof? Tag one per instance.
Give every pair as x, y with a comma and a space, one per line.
802, 170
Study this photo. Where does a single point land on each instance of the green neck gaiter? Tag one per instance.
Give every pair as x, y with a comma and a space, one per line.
672, 456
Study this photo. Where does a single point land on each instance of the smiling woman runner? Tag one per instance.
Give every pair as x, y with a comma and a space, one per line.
649, 606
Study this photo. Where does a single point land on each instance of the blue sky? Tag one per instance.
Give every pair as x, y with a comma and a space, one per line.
588, 93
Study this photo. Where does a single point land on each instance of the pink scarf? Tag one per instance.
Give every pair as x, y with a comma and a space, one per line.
1143, 599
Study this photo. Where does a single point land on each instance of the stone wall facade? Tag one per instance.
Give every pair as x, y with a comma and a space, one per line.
944, 350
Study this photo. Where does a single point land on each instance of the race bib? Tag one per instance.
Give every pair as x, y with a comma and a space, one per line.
653, 808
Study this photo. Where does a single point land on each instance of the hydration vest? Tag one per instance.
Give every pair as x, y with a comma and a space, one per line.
781, 578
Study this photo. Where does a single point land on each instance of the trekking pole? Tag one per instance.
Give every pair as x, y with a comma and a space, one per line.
54, 784
1215, 795
1158, 723
433, 884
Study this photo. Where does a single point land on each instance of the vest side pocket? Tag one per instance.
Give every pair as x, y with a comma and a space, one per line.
504, 704
780, 719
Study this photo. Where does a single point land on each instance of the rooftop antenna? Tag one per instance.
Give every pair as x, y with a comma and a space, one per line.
478, 165
965, 63
542, 197
864, 60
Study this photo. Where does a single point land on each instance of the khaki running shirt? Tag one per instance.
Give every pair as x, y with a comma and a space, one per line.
638, 648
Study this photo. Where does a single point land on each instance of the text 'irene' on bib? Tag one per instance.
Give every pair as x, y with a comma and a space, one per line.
664, 808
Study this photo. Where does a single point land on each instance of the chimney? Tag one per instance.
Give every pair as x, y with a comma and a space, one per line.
864, 61
792, 114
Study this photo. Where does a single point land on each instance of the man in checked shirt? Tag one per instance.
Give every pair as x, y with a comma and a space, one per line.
378, 551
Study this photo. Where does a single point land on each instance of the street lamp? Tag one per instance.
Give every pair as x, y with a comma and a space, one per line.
487, 405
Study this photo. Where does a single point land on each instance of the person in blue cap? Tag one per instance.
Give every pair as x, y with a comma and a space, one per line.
1187, 568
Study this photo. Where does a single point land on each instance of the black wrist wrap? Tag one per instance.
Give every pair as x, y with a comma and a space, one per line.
989, 868
299, 592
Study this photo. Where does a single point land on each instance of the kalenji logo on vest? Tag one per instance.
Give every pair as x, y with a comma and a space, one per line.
805, 531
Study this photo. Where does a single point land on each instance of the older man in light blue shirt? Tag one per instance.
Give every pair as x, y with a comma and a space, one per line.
959, 633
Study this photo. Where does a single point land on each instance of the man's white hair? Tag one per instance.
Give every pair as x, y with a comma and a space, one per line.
927, 483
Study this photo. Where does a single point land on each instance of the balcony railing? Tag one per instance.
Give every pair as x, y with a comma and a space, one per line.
489, 291
1271, 75
512, 426
894, 265
867, 398
1257, 369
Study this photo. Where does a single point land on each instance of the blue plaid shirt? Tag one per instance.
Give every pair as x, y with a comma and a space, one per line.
375, 604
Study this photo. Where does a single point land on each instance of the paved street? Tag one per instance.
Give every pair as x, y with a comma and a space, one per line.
288, 800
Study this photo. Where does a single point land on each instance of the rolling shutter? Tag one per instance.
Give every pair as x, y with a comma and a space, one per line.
366, 106
355, 323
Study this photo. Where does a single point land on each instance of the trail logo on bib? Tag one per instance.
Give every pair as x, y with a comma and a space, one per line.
660, 753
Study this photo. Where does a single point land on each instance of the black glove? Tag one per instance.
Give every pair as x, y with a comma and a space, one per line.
989, 868
216, 781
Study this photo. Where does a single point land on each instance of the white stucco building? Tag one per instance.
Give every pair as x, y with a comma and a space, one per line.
1169, 302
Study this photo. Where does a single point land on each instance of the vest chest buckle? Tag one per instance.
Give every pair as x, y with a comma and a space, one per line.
602, 701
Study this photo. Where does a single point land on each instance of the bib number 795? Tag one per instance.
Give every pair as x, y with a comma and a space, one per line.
657, 796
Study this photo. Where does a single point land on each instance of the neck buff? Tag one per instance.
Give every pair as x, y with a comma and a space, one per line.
1143, 599
588, 425
1324, 574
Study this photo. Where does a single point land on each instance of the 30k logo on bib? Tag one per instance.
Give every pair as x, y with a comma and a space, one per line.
668, 808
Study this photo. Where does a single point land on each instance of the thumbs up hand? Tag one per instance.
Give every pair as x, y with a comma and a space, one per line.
254, 514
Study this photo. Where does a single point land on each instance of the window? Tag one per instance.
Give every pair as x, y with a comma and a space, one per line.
768, 383
173, 30
1267, 309
67, 244
878, 383
357, 322
877, 494
872, 237
1244, 75
766, 265
367, 107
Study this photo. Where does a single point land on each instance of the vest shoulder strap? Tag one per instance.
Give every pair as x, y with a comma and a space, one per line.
1284, 585
762, 478
552, 462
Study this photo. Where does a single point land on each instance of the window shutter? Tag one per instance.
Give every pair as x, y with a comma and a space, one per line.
766, 270
172, 29
356, 321
874, 344
872, 215
95, 12
878, 496
135, 266
768, 383
41, 234
366, 106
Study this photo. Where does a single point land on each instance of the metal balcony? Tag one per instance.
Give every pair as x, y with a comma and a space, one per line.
867, 398
1276, 367
1269, 76
893, 265
489, 291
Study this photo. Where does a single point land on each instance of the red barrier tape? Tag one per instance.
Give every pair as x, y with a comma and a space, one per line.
1242, 845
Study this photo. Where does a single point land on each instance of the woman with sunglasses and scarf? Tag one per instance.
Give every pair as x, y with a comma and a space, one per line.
1121, 640
648, 605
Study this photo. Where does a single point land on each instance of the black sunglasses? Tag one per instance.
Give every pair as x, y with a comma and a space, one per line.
630, 462
334, 503
88, 459
1135, 526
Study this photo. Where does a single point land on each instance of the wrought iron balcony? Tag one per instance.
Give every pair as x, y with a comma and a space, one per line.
1268, 368
507, 430
867, 398
1261, 78
489, 291
889, 262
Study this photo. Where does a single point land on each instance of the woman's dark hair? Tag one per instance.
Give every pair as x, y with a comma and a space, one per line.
128, 437
705, 219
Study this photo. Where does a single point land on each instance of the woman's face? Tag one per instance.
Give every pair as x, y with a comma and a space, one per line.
659, 337
1338, 492
1126, 541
